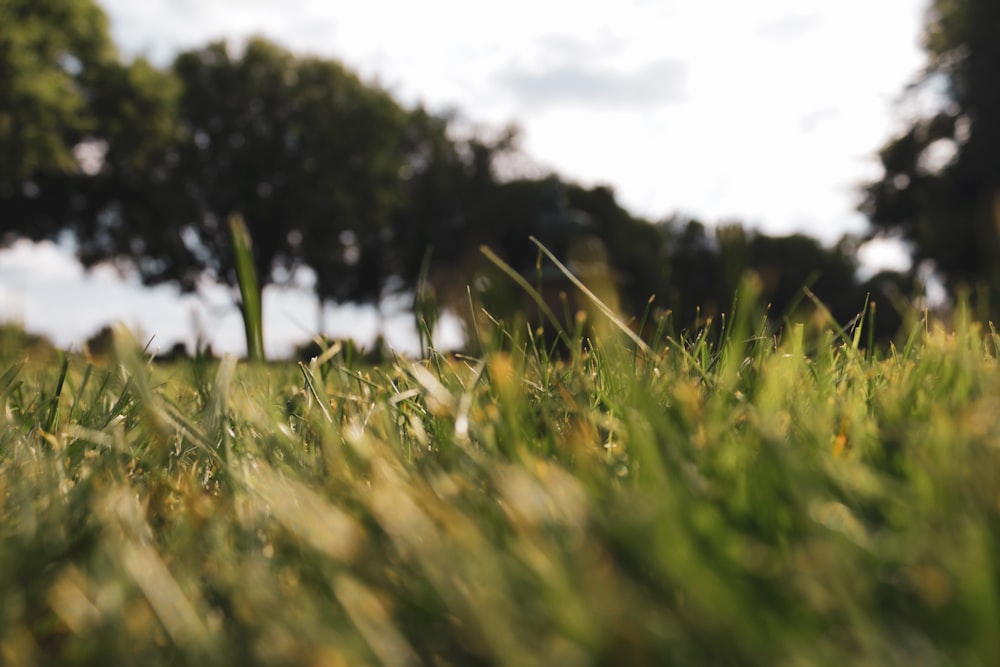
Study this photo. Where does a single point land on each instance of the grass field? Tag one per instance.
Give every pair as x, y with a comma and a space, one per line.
792, 500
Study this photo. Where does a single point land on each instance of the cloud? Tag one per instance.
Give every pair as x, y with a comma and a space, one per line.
658, 82
812, 120
789, 26
44, 261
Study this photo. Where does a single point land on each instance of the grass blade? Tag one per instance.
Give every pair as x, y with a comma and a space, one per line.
531, 291
250, 293
607, 312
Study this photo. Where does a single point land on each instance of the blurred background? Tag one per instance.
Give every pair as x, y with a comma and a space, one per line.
664, 149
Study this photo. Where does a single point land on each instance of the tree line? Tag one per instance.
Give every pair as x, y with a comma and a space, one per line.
144, 166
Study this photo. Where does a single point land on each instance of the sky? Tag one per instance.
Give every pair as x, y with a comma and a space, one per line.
767, 112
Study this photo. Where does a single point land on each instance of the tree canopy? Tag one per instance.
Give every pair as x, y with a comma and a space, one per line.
51, 53
74, 118
304, 150
940, 189
145, 166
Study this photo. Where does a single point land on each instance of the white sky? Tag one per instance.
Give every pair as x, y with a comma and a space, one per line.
768, 112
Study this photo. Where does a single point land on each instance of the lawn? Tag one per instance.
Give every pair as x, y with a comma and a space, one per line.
734, 497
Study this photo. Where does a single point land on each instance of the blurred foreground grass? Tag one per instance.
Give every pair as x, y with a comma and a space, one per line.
755, 502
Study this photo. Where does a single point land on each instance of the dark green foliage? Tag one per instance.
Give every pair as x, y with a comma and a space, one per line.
303, 150
941, 185
51, 52
329, 173
79, 129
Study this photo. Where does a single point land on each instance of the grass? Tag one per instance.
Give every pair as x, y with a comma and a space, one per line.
251, 307
761, 500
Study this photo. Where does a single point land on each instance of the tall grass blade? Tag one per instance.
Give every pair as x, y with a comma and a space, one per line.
425, 307
250, 293
607, 312
53, 418
530, 291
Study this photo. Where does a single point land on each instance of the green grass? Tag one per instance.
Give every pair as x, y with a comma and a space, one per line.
759, 501
251, 306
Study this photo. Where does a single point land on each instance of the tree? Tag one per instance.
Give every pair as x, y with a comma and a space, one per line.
705, 268
450, 189
694, 271
73, 116
463, 205
49, 52
940, 189
450, 198
301, 148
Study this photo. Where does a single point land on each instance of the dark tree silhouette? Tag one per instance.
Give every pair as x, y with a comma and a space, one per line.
146, 166
75, 121
941, 184
305, 151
